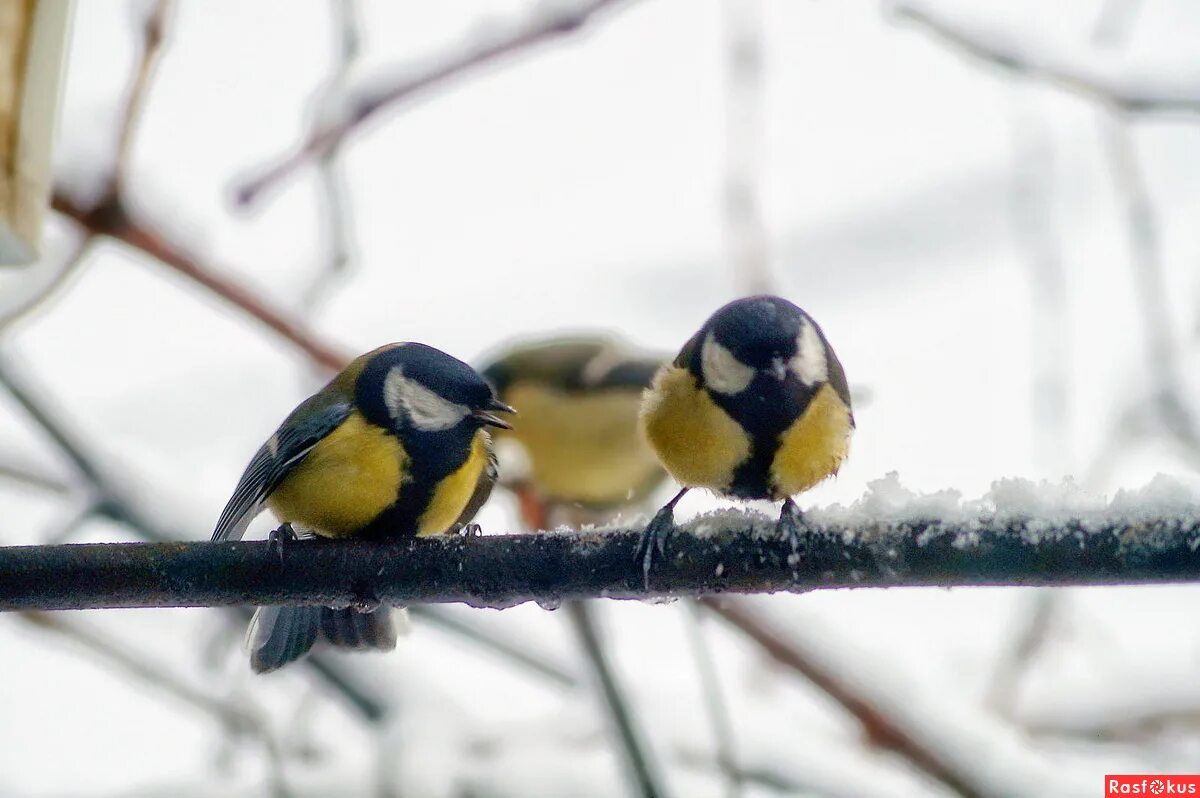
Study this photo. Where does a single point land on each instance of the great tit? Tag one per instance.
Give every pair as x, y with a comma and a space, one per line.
755, 406
578, 398
394, 445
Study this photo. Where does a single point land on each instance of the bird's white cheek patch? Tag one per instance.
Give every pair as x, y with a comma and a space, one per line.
723, 372
809, 362
422, 407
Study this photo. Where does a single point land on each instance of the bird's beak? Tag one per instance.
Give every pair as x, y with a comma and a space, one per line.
492, 420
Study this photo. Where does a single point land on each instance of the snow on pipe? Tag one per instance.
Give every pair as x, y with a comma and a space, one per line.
726, 551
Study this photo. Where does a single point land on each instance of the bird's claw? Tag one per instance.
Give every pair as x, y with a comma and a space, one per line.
654, 538
788, 527
280, 538
471, 531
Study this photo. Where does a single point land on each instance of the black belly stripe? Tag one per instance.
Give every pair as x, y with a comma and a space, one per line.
433, 456
765, 410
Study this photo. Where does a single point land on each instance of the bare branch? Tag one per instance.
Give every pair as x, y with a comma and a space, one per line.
744, 108
546, 23
235, 717
740, 554
1132, 94
643, 770
111, 218
714, 702
333, 193
154, 31
1030, 640
489, 639
880, 728
21, 306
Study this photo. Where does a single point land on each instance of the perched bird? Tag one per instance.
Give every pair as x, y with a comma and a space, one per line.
755, 406
394, 445
578, 398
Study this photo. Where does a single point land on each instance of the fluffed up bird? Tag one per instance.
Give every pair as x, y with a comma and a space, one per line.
394, 445
755, 406
578, 398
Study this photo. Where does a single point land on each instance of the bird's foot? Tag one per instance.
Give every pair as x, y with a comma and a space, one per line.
471, 531
280, 538
654, 538
788, 527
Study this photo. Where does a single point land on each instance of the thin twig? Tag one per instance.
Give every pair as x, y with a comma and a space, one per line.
1009, 54
154, 31
333, 194
33, 476
236, 718
489, 639
744, 100
544, 24
879, 727
35, 297
642, 769
1033, 223
714, 702
1030, 640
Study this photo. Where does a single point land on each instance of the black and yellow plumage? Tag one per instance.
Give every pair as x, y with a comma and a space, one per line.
755, 406
394, 445
578, 398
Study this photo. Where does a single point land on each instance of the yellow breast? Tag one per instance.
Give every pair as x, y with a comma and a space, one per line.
451, 495
696, 441
583, 447
347, 479
814, 446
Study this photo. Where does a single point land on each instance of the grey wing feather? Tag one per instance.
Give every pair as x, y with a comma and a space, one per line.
273, 461
483, 490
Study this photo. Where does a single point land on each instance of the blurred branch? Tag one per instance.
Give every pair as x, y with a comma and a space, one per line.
488, 639
154, 30
547, 22
714, 701
883, 730
1115, 21
1008, 53
1033, 224
744, 99
1030, 640
33, 476
111, 218
741, 554
332, 192
125, 507
1125, 725
235, 718
643, 771
22, 305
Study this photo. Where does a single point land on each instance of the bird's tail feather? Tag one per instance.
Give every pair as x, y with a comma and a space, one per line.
279, 635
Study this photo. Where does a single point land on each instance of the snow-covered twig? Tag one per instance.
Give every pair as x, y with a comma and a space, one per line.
548, 21
731, 552
1130, 93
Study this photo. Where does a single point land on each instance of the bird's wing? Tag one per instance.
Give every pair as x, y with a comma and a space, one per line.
483, 489
274, 461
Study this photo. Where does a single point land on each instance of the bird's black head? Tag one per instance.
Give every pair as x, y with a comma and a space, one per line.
414, 387
758, 335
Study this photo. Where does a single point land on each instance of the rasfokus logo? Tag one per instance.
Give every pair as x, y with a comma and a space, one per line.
1157, 784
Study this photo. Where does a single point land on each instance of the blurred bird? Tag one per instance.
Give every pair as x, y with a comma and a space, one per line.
578, 397
394, 445
755, 406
